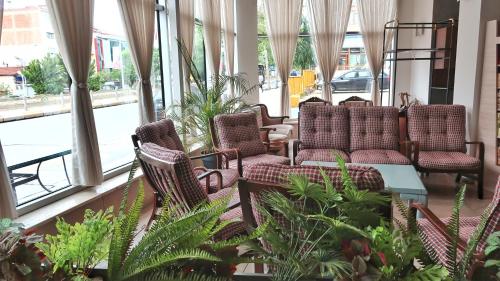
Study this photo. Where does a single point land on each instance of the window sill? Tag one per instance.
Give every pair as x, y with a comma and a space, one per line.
63, 206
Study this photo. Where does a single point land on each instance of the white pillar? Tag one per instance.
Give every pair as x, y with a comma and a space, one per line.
246, 44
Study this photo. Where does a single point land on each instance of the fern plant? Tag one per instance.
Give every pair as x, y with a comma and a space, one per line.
319, 226
176, 247
78, 248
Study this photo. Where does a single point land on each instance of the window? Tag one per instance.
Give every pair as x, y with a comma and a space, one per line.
305, 79
35, 121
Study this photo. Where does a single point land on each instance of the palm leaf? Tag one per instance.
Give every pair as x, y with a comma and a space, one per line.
453, 228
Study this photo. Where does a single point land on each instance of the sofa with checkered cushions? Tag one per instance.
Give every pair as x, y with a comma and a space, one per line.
368, 135
439, 131
262, 177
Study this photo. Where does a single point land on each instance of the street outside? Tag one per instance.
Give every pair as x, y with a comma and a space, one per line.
32, 138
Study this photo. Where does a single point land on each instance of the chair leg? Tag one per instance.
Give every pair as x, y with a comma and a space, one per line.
259, 268
458, 178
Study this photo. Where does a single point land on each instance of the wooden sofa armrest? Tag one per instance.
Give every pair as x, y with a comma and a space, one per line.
410, 149
436, 223
480, 151
207, 175
226, 152
295, 149
264, 136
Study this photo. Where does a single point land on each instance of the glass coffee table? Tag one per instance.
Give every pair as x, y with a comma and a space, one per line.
402, 179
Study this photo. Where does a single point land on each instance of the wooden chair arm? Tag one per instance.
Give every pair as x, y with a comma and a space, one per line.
481, 149
207, 176
295, 149
225, 152
410, 149
203, 169
436, 223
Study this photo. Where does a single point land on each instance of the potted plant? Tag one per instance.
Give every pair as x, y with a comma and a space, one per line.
204, 101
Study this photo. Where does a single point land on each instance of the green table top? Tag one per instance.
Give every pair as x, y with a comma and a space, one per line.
397, 178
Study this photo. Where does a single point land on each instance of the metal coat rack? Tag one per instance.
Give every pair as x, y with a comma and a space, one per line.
394, 54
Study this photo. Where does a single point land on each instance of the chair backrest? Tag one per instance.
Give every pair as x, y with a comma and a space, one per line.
493, 223
239, 131
437, 127
170, 174
265, 177
324, 127
356, 101
315, 101
374, 128
162, 133
263, 117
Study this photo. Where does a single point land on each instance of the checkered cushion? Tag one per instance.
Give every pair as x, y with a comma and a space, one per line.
239, 131
377, 156
374, 128
447, 160
190, 188
324, 127
225, 193
161, 133
437, 127
260, 159
235, 228
435, 242
323, 155
364, 177
229, 179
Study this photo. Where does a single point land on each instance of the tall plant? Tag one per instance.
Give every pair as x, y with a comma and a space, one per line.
206, 100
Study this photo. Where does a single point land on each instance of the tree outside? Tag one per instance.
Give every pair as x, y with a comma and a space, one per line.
47, 76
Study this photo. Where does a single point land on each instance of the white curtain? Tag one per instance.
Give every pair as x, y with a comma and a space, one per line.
7, 196
283, 25
138, 17
211, 16
186, 11
72, 22
329, 20
229, 36
373, 15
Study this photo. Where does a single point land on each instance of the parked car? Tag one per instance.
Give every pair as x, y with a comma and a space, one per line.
357, 80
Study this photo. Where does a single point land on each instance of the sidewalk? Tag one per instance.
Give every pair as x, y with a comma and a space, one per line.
13, 109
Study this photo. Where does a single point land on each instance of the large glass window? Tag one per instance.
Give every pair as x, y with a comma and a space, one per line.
352, 77
35, 121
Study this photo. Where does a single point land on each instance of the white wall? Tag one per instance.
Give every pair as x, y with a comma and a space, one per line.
246, 43
413, 76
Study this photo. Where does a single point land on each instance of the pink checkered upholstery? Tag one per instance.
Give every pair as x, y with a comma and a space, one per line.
323, 155
239, 131
183, 186
378, 156
447, 161
161, 133
364, 177
435, 242
260, 159
437, 127
374, 128
324, 127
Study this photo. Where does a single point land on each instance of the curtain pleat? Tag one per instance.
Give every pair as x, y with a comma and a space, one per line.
211, 16
329, 20
229, 36
7, 194
373, 15
138, 17
283, 25
186, 12
72, 21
